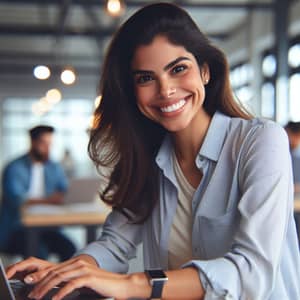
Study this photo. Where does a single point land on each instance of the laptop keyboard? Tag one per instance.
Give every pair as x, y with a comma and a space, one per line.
20, 288
17, 285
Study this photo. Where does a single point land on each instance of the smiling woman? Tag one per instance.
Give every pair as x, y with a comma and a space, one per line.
193, 177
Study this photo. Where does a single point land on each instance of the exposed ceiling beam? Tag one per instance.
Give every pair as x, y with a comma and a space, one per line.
62, 19
137, 3
34, 57
55, 69
50, 30
93, 17
11, 30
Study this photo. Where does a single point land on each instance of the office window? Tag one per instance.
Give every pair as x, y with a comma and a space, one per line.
267, 102
241, 77
268, 70
294, 80
294, 97
294, 56
269, 66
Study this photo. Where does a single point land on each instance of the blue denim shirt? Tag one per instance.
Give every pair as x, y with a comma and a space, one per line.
244, 239
296, 164
15, 185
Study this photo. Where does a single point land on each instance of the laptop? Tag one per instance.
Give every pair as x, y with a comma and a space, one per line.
18, 290
82, 190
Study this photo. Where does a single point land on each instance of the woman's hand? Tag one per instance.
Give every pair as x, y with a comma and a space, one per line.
31, 265
76, 273
83, 272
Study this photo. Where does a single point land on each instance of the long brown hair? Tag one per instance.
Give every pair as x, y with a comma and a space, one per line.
125, 141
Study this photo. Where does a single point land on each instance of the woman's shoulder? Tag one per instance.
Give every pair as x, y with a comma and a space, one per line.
256, 127
255, 133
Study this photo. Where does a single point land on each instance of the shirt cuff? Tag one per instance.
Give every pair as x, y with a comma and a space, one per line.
219, 278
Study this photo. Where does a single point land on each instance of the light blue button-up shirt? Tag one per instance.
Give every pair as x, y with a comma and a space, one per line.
244, 239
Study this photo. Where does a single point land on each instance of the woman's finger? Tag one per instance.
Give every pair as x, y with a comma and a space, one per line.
37, 276
63, 267
40, 274
71, 286
29, 265
101, 285
56, 277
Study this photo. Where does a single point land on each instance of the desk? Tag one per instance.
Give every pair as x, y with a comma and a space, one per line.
36, 218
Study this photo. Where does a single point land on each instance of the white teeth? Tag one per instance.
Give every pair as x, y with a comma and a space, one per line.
173, 107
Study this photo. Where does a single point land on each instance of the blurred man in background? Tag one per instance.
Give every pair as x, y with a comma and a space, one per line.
29, 180
293, 131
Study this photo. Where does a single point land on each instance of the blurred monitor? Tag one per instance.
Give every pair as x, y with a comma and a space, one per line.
82, 190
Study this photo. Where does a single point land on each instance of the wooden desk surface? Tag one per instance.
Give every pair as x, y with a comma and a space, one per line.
67, 216
63, 215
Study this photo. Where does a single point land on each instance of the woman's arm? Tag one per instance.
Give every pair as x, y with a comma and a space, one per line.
35, 269
83, 272
181, 284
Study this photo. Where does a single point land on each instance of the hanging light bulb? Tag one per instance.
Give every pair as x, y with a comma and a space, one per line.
41, 72
68, 76
53, 96
115, 7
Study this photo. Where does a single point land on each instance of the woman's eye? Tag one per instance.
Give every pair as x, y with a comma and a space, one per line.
143, 79
178, 69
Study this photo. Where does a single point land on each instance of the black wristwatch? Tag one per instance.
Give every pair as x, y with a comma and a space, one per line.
157, 279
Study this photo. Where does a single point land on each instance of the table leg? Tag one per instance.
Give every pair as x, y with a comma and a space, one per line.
31, 241
91, 233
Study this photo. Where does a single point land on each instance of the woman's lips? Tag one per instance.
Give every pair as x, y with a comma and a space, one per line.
174, 106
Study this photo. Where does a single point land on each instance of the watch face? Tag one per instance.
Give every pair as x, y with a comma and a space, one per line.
154, 274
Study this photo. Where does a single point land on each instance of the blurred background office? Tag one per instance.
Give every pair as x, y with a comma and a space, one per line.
51, 53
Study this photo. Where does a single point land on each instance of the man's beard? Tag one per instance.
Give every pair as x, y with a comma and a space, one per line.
40, 157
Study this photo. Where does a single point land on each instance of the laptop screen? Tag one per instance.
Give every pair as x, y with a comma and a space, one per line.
5, 289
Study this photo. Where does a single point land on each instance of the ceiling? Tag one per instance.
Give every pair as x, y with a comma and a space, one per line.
76, 33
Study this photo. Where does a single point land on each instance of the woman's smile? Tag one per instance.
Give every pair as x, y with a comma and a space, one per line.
172, 108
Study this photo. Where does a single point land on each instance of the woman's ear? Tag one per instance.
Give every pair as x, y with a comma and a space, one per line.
205, 73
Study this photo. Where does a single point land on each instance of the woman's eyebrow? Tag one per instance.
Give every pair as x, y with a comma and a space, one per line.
174, 62
167, 67
137, 72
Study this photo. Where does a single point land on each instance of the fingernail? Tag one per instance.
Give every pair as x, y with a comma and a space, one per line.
33, 296
28, 279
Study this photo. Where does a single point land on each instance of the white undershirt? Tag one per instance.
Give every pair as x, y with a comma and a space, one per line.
180, 242
37, 182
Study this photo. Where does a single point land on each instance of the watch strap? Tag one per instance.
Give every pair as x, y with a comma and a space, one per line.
157, 288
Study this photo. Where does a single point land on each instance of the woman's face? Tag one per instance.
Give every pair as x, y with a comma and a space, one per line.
169, 86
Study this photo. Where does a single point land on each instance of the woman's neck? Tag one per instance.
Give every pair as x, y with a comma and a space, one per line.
188, 142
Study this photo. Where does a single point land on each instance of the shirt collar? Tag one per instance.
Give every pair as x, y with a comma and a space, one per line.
164, 154
211, 147
215, 136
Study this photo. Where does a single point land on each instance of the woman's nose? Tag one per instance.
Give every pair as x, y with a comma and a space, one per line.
167, 90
